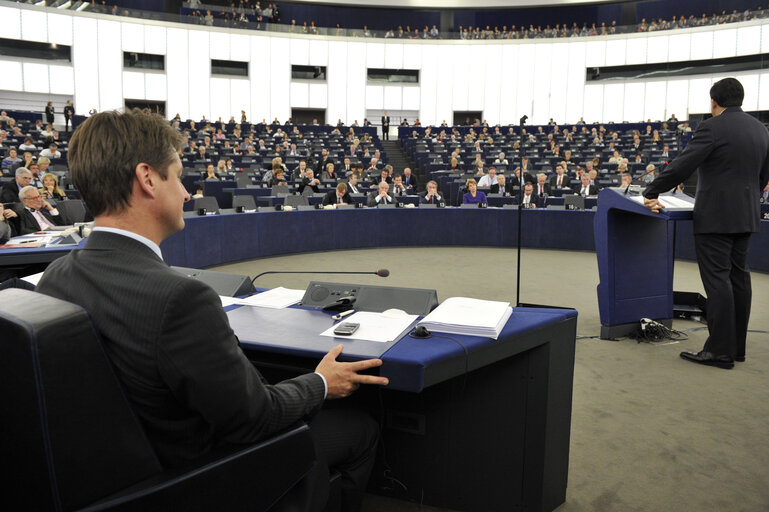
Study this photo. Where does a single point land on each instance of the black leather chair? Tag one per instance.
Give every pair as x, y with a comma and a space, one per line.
71, 441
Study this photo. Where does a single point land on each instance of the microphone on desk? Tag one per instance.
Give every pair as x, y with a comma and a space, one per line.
382, 272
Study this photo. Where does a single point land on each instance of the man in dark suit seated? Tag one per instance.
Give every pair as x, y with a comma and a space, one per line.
409, 181
559, 180
501, 186
541, 189
587, 189
10, 191
337, 196
38, 214
7, 229
309, 180
530, 199
169, 339
381, 195
431, 195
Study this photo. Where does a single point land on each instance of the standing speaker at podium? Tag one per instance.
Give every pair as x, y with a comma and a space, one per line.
731, 151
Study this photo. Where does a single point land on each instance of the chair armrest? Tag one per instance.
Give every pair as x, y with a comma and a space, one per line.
251, 478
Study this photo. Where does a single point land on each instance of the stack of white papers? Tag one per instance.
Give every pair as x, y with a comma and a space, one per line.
473, 317
277, 298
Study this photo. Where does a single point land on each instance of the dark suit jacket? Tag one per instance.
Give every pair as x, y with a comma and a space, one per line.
494, 189
386, 121
330, 198
373, 202
731, 152
537, 201
322, 165
424, 200
27, 223
412, 180
592, 190
564, 184
545, 189
305, 183
10, 192
173, 349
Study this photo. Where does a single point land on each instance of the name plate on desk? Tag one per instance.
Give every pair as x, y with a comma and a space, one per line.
296, 329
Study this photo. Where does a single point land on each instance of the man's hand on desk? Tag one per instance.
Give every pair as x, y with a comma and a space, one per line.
343, 378
653, 204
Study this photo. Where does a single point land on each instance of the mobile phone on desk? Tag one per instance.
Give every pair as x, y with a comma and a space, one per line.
346, 328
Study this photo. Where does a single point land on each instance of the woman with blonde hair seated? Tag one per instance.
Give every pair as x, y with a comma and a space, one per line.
51, 188
473, 195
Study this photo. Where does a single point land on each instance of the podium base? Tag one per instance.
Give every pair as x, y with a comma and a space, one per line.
612, 332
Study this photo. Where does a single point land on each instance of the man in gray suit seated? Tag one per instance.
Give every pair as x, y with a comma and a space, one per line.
167, 335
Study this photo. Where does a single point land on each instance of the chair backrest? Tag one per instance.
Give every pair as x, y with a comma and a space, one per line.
279, 189
243, 179
307, 191
246, 201
72, 210
72, 438
295, 200
208, 202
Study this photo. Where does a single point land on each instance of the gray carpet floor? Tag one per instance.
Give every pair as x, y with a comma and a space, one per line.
650, 432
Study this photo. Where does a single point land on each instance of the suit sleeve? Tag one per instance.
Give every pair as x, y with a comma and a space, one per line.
698, 149
200, 360
764, 176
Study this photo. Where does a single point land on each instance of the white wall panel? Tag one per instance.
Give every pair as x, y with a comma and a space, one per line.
280, 74
319, 98
155, 87
476, 78
240, 98
259, 75
220, 98
677, 99
11, 22
393, 97
374, 97
444, 73
133, 85
679, 48
575, 78
300, 52
460, 77
394, 56
110, 65
319, 53
240, 49
155, 39
749, 40
177, 73
594, 103
428, 80
525, 82
725, 43
132, 36
634, 102
596, 53
657, 48
765, 38
411, 99
62, 79
702, 45
559, 70
763, 92
375, 55
199, 65
751, 85
654, 103
336, 78
508, 89
615, 52
300, 95
36, 77
219, 46
34, 25
356, 81
613, 104
699, 95
635, 52
84, 55
412, 56
13, 74
59, 29
492, 84
543, 54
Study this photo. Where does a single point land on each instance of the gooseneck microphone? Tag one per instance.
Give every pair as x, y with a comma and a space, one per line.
382, 272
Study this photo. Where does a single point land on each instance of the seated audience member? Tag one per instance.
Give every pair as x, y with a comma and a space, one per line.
383, 175
323, 161
51, 188
489, 179
221, 168
184, 373
501, 186
409, 181
198, 193
28, 159
372, 169
28, 145
626, 181
11, 160
454, 165
309, 180
38, 214
328, 173
431, 195
587, 189
10, 191
7, 227
559, 180
346, 167
211, 174
665, 152
300, 170
526, 166
399, 189
530, 200
593, 177
478, 169
542, 189
337, 196
473, 195
651, 173
352, 184
615, 158
278, 178
501, 160
51, 151
381, 195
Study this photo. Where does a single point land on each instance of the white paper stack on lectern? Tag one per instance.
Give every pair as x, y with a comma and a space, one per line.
472, 317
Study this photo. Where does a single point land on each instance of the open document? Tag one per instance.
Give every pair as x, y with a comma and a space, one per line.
382, 327
473, 317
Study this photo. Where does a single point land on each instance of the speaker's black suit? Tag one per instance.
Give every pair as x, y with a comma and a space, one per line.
731, 151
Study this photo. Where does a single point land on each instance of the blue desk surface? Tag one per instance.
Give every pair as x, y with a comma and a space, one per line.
411, 364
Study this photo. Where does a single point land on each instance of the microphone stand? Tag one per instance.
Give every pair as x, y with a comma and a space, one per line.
520, 221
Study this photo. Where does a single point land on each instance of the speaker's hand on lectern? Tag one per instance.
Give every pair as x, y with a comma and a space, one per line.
343, 378
653, 204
